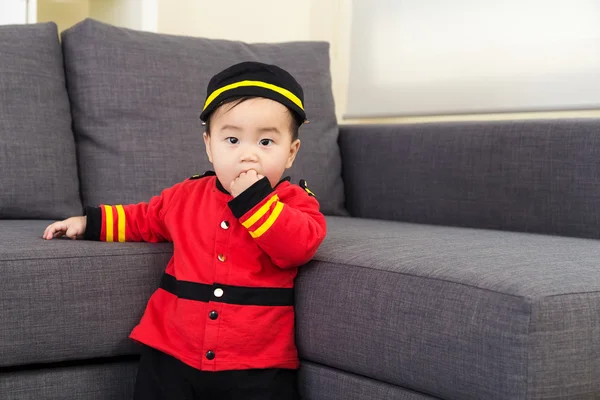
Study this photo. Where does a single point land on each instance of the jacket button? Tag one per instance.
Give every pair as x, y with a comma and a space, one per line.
225, 225
218, 292
221, 257
210, 355
213, 315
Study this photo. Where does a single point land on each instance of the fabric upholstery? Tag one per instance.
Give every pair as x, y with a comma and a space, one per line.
318, 382
37, 147
529, 176
454, 312
102, 381
71, 300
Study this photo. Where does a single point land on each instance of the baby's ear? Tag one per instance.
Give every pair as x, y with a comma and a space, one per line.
294, 148
207, 145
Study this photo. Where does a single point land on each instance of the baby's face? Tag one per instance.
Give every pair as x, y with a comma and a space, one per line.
255, 134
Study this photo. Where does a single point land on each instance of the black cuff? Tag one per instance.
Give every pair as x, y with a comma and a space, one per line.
250, 197
94, 223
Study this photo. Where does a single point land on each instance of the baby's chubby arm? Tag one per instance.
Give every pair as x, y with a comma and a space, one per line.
73, 228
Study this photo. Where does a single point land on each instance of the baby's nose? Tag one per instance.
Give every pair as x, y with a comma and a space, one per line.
249, 155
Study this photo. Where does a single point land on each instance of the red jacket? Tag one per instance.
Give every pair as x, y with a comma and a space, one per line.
226, 299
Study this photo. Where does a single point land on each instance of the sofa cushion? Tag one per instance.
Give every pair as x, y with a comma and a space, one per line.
108, 379
37, 147
71, 300
318, 382
539, 176
137, 97
447, 312
454, 312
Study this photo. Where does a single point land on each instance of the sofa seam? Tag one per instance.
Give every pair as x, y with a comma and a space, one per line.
459, 283
366, 377
74, 257
68, 363
528, 353
572, 294
429, 278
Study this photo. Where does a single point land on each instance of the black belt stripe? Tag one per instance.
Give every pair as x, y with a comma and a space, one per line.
246, 296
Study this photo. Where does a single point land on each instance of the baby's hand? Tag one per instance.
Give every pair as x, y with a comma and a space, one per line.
243, 182
73, 228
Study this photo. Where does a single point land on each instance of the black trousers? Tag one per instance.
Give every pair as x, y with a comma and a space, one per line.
162, 377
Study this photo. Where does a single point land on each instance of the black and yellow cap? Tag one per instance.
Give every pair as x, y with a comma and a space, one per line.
255, 79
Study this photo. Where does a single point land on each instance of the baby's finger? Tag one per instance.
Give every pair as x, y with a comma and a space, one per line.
55, 227
54, 233
47, 229
49, 232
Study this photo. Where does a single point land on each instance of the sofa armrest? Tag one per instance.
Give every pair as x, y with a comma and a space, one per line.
532, 176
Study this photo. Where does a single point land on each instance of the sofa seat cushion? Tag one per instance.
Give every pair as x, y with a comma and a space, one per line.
454, 312
99, 380
69, 300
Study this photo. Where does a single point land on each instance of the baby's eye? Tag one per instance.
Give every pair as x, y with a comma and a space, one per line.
265, 142
232, 140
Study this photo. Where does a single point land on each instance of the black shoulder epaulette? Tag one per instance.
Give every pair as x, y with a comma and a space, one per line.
204, 175
304, 185
286, 179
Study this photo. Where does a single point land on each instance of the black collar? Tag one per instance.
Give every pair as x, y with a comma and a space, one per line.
286, 179
220, 187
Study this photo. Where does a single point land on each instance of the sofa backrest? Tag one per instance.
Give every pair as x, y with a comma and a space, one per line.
136, 98
532, 176
38, 166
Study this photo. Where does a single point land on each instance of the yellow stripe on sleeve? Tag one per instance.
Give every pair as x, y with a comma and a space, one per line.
270, 221
121, 214
109, 223
259, 214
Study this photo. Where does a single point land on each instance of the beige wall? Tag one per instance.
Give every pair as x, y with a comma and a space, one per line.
330, 21
288, 20
478, 117
267, 21
252, 21
65, 13
126, 13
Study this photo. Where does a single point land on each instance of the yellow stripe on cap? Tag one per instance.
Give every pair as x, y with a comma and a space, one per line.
284, 92
270, 221
261, 211
109, 223
121, 214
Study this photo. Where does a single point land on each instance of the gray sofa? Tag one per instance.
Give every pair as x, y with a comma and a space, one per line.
462, 259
